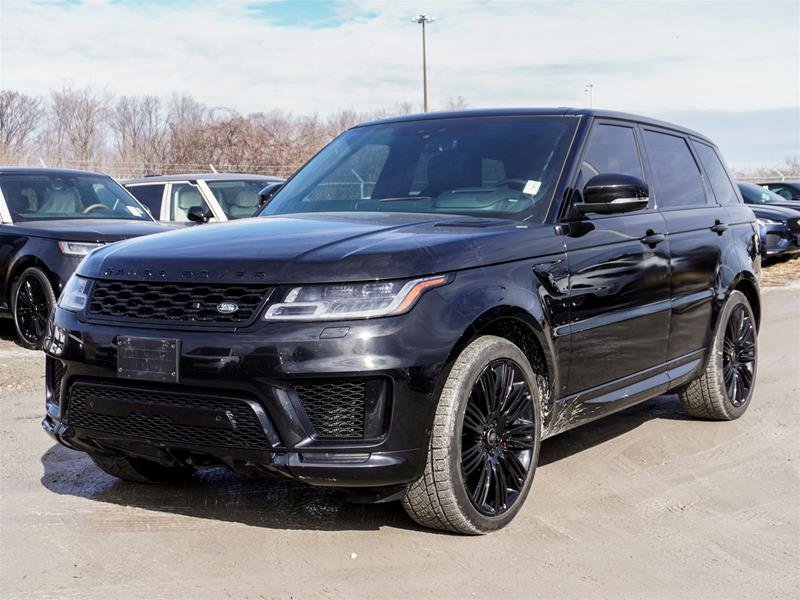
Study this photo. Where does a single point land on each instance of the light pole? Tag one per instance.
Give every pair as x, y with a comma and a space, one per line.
589, 91
422, 19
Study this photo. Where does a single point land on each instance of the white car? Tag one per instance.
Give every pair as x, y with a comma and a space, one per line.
224, 196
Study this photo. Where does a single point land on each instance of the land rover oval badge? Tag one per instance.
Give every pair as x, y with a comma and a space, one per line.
227, 308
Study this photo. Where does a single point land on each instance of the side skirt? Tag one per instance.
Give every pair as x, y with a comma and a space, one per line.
595, 403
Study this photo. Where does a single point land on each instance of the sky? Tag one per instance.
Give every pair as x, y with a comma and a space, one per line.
728, 69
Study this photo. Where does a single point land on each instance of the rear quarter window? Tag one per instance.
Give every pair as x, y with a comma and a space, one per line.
717, 175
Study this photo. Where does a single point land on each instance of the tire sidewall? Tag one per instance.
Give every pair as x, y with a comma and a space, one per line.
48, 288
497, 348
735, 299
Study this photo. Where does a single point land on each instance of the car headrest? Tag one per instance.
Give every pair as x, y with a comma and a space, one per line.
245, 199
189, 198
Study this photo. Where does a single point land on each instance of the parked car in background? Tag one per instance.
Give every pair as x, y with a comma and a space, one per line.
778, 221
788, 189
506, 275
221, 196
49, 220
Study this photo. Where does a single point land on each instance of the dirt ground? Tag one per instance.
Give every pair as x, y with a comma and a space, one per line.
643, 504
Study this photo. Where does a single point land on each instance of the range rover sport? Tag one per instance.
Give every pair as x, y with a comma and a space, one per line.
416, 309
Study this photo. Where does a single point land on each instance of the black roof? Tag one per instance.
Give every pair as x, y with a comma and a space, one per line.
554, 112
204, 176
46, 171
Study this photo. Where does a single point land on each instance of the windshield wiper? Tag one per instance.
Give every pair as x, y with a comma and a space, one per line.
401, 198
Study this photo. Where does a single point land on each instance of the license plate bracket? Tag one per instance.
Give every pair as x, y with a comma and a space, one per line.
150, 359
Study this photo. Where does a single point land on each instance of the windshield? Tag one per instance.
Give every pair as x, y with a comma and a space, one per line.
239, 198
483, 166
755, 194
68, 196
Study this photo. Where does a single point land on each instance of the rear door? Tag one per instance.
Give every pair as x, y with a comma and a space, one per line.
697, 230
618, 282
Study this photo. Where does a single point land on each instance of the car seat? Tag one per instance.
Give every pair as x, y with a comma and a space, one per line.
244, 204
187, 198
451, 170
63, 201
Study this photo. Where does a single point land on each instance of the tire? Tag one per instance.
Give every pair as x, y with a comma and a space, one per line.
711, 395
140, 470
446, 496
32, 300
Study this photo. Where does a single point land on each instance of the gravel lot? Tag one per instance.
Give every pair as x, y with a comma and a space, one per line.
643, 504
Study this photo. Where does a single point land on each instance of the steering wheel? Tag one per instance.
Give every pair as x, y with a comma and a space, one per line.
95, 206
514, 184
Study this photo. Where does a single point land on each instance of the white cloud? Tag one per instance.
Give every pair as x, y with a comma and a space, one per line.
649, 57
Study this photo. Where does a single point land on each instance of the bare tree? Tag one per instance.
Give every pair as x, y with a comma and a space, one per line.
456, 103
76, 124
20, 119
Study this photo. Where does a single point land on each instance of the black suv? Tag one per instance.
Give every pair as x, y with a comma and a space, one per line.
416, 309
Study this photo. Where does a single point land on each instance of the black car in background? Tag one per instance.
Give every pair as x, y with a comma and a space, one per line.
778, 223
420, 305
790, 190
49, 220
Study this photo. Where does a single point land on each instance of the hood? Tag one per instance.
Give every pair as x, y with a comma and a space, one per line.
322, 247
774, 211
89, 230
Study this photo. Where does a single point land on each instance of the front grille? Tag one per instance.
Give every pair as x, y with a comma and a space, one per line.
176, 302
248, 432
335, 408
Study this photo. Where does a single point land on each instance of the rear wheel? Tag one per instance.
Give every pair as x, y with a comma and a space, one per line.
32, 299
724, 390
485, 442
140, 470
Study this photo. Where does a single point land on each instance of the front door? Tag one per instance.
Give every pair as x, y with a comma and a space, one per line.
618, 284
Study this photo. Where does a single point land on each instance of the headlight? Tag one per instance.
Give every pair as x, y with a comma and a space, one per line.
762, 221
75, 294
351, 300
77, 248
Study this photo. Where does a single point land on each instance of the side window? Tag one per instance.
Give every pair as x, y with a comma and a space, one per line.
780, 190
611, 149
185, 196
678, 182
150, 196
717, 174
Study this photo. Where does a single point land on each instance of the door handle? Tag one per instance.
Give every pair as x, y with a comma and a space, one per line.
652, 238
719, 227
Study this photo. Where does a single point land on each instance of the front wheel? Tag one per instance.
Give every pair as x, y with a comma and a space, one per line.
724, 390
484, 445
32, 299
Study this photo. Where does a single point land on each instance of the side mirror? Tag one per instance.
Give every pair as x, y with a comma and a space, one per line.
197, 215
266, 194
611, 193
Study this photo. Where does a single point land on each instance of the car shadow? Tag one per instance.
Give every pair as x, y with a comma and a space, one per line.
277, 503
7, 331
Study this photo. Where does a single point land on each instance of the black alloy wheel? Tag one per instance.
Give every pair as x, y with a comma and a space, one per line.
739, 356
33, 300
497, 438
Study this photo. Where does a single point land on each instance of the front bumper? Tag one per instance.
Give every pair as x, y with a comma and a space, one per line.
778, 239
266, 365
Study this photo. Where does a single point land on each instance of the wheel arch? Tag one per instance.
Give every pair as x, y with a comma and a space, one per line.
25, 262
747, 284
516, 325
